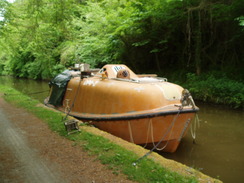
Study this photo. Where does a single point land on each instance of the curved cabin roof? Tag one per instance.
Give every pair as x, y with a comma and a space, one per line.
114, 95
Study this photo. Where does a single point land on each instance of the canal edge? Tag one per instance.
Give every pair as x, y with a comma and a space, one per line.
171, 165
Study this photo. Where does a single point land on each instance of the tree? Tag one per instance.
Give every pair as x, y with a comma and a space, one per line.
165, 36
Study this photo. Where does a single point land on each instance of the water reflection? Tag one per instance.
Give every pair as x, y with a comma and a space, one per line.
219, 143
37, 89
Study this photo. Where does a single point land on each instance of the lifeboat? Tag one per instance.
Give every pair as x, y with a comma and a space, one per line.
142, 109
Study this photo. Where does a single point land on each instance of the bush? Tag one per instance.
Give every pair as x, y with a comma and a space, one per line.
216, 89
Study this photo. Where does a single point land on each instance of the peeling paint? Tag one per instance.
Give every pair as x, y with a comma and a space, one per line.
139, 89
89, 82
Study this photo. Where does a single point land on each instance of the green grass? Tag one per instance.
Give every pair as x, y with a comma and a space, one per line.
117, 158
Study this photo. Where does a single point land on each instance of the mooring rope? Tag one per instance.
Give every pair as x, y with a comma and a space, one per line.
148, 131
160, 149
67, 107
131, 135
70, 108
194, 126
28, 93
171, 125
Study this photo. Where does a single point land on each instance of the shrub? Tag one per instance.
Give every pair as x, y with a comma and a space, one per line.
220, 90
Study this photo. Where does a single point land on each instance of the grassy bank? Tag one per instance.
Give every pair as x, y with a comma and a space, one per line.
114, 156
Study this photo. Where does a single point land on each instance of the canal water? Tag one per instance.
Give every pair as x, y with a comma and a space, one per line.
218, 151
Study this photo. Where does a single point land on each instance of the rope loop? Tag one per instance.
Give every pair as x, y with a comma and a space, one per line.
156, 146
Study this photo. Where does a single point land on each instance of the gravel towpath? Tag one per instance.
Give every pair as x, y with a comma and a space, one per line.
30, 152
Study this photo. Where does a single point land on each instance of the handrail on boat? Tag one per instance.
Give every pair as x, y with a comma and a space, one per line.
142, 80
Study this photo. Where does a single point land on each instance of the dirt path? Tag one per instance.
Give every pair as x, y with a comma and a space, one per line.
30, 152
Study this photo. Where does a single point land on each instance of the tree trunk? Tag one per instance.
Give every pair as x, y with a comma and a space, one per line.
157, 62
198, 42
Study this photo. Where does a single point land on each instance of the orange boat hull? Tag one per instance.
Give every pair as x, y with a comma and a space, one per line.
143, 111
166, 130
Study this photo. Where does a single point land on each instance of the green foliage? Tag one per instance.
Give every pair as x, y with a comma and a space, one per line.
33, 34
114, 156
217, 89
157, 35
41, 38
